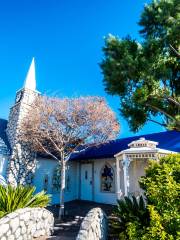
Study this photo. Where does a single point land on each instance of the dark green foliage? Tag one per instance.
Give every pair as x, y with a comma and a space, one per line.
129, 210
12, 198
146, 75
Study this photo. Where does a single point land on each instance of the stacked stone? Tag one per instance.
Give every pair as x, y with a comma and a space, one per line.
12, 124
94, 226
26, 224
22, 163
17, 113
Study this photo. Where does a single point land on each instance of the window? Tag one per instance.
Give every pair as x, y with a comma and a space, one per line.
56, 180
107, 179
45, 183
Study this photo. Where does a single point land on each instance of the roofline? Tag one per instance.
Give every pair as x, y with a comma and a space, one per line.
145, 135
155, 150
3, 119
109, 156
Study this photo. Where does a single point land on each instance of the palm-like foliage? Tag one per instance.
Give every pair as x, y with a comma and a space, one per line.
12, 198
128, 210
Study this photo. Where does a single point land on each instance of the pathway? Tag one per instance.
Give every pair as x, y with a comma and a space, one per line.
75, 212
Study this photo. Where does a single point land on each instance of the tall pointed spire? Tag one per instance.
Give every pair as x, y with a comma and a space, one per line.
30, 81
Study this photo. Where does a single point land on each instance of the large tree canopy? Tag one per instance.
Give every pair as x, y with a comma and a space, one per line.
60, 127
146, 75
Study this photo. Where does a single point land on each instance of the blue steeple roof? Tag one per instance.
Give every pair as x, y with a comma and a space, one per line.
169, 140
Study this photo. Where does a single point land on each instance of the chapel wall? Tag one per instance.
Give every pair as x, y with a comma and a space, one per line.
100, 196
44, 171
3, 165
136, 170
4, 156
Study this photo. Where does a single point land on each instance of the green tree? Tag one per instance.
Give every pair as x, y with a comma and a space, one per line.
146, 75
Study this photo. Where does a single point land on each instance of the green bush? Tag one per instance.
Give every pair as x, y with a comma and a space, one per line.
161, 185
12, 198
160, 218
129, 210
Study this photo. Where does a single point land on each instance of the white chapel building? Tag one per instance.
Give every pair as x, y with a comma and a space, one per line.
101, 174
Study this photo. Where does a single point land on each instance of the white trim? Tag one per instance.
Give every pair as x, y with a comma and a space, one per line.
125, 163
118, 184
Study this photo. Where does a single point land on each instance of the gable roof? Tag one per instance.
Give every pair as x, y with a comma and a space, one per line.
3, 135
169, 140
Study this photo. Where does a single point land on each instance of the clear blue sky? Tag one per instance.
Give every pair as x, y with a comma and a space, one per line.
66, 39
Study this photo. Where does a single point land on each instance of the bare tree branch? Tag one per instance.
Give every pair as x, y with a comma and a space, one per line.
46, 151
154, 121
174, 50
58, 127
160, 110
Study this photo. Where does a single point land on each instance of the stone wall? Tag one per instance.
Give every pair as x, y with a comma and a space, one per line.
21, 165
94, 226
26, 224
22, 162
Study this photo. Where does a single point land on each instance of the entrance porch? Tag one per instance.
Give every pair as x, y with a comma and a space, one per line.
131, 164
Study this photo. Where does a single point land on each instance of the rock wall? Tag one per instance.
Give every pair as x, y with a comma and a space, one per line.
21, 165
94, 226
22, 162
26, 224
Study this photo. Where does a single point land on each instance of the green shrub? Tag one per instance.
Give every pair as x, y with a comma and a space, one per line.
160, 218
161, 185
12, 198
129, 210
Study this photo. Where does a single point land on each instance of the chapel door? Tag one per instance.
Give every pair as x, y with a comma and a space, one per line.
86, 181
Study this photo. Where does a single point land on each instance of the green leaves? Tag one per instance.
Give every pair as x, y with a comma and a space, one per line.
12, 198
145, 74
128, 211
162, 183
159, 218
120, 64
162, 187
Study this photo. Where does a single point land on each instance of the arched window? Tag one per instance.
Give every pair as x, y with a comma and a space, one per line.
56, 180
107, 179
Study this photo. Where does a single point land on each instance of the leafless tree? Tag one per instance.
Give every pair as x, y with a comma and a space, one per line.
58, 127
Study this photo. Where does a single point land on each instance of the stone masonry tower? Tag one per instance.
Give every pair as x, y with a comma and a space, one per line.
22, 162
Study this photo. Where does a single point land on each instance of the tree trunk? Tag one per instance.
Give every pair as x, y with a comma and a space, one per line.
63, 174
